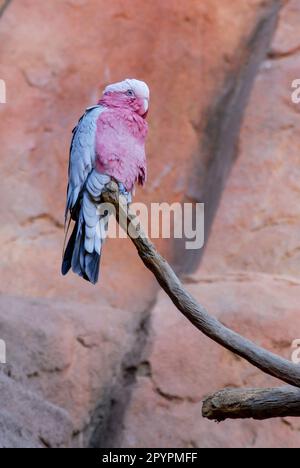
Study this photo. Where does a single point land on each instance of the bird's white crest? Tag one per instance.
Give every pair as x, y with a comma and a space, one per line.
139, 88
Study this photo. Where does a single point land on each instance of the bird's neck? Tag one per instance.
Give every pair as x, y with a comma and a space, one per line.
115, 101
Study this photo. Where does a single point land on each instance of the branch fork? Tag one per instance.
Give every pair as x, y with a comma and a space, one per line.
256, 403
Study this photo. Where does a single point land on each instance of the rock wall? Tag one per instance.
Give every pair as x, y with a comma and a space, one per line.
63, 335
248, 279
55, 68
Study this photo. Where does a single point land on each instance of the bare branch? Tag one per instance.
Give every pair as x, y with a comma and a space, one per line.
261, 358
252, 403
3, 6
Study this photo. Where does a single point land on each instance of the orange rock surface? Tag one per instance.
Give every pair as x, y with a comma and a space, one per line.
74, 347
184, 366
249, 279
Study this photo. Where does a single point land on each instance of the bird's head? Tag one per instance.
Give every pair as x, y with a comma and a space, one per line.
131, 92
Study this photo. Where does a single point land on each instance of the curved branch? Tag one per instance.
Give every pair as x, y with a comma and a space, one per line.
3, 6
259, 357
252, 403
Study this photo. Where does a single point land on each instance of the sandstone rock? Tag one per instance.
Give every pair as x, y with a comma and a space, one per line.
62, 359
29, 421
185, 366
68, 349
249, 279
258, 223
53, 70
287, 38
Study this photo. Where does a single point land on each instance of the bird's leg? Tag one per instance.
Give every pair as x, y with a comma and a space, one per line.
126, 218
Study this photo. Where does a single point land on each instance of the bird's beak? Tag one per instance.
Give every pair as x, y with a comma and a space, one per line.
145, 107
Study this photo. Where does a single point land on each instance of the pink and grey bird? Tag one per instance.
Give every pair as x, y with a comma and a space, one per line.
108, 144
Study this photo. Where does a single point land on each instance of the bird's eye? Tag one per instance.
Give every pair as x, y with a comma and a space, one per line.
130, 93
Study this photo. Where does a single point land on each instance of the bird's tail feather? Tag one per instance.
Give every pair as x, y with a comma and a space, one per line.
83, 263
68, 252
83, 252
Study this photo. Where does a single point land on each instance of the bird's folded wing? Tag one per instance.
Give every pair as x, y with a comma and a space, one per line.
82, 154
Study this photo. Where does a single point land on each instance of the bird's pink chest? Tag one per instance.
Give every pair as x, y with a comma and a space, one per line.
120, 145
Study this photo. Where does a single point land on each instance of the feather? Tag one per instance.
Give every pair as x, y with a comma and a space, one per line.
82, 153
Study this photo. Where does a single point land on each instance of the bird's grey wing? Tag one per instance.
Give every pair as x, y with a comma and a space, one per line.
82, 154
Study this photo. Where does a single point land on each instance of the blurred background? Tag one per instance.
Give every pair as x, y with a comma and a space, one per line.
116, 365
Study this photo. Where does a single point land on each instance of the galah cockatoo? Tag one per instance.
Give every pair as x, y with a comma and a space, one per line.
108, 144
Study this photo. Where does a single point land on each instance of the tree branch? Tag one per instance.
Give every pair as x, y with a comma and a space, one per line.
261, 358
252, 403
3, 5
